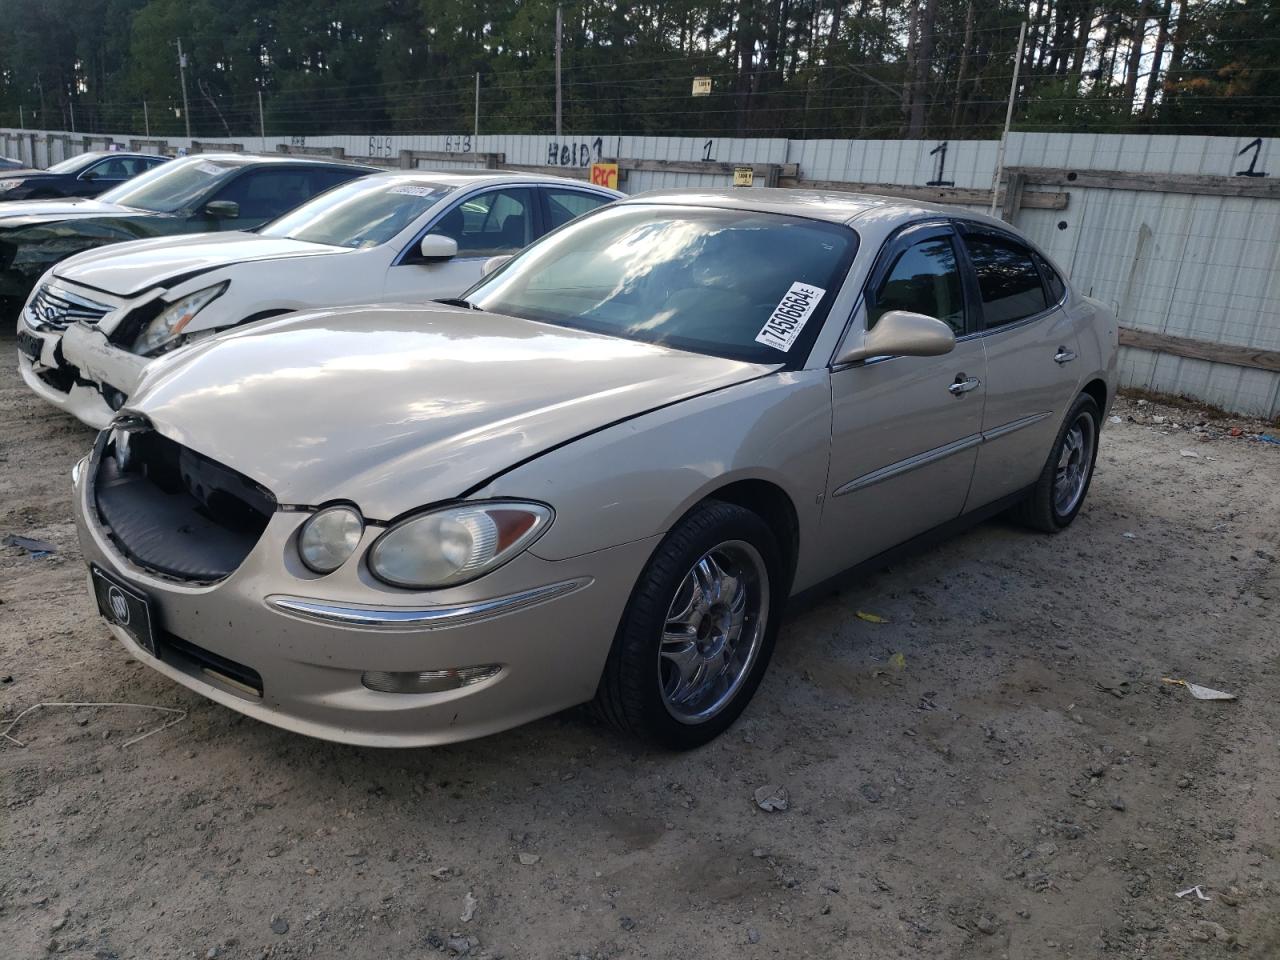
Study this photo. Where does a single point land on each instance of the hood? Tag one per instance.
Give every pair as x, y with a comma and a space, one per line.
129, 268
22, 213
25, 173
397, 407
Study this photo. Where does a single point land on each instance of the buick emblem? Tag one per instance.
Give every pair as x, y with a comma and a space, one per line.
119, 605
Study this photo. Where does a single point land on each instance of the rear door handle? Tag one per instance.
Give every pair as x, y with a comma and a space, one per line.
963, 385
1064, 356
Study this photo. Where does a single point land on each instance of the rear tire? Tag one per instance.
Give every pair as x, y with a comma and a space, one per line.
1063, 484
698, 630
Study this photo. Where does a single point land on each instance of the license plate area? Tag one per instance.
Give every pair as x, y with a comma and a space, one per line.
30, 346
126, 607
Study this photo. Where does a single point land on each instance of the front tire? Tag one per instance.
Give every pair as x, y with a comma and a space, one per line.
1061, 488
698, 631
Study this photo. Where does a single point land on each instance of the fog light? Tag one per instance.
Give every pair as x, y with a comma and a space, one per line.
427, 681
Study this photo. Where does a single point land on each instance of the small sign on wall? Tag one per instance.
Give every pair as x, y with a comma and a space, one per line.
743, 176
605, 175
702, 86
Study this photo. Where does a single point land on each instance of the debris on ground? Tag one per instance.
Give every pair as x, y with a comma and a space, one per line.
1199, 692
529, 859
1200, 894
38, 549
772, 797
469, 904
178, 716
871, 617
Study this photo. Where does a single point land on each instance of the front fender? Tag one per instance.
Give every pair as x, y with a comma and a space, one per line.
635, 479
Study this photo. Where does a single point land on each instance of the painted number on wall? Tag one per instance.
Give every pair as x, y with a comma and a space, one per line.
940, 175
580, 154
1255, 148
379, 146
458, 144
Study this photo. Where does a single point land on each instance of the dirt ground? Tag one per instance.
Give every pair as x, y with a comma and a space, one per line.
1019, 784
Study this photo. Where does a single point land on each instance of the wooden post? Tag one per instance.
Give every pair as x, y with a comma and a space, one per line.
1012, 196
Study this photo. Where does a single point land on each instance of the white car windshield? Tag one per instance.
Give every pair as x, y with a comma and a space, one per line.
732, 283
172, 186
362, 213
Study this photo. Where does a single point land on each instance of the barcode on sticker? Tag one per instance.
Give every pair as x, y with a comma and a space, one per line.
412, 191
790, 316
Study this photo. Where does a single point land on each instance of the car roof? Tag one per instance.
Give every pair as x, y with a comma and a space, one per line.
245, 159
833, 206
471, 178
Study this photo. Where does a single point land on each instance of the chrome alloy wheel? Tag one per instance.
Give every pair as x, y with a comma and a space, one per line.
1074, 463
713, 633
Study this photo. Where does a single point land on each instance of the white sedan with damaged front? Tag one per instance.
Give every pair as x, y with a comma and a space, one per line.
405, 236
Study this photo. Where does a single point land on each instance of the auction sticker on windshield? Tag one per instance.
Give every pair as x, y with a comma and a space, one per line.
790, 316
411, 191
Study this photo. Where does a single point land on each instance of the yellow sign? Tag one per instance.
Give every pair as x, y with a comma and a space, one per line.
743, 176
702, 86
605, 175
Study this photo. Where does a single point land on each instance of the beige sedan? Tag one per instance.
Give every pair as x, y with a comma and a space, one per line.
600, 476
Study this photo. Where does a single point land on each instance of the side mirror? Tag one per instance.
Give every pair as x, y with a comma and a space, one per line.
89, 176
493, 263
222, 209
899, 333
435, 246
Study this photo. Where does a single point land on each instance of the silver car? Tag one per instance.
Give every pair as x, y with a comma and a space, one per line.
600, 476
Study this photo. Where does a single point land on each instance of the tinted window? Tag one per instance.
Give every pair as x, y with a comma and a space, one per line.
731, 283
1057, 289
493, 223
116, 168
1007, 279
923, 279
565, 205
265, 194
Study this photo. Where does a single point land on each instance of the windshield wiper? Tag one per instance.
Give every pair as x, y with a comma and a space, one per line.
458, 302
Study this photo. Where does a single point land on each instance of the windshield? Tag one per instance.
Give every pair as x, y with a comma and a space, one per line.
72, 164
171, 186
362, 213
732, 283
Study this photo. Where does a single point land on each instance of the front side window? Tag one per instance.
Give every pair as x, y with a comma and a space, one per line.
1007, 279
566, 205
361, 213
923, 279
267, 193
172, 186
731, 283
490, 224
115, 168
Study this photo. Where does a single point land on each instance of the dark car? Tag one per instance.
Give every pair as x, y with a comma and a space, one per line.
9, 163
84, 175
225, 191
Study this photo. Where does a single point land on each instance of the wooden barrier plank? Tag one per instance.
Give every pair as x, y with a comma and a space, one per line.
1252, 357
1258, 187
969, 196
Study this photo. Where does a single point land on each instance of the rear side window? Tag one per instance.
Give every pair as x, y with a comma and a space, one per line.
923, 279
565, 205
1007, 279
1057, 289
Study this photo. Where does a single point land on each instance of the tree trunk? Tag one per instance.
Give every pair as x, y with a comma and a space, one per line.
1136, 39
1162, 40
964, 63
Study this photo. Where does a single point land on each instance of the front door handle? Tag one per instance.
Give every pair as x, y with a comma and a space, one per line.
963, 385
1064, 356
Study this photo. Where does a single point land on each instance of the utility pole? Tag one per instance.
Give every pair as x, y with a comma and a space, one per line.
22, 121
182, 71
1008, 119
262, 122
72, 104
559, 29
146, 119
477, 126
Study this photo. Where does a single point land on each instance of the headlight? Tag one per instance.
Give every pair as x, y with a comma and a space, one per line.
329, 538
175, 317
455, 544
9, 185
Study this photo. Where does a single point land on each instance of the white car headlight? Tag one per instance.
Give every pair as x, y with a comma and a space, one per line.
455, 544
174, 318
329, 538
9, 185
